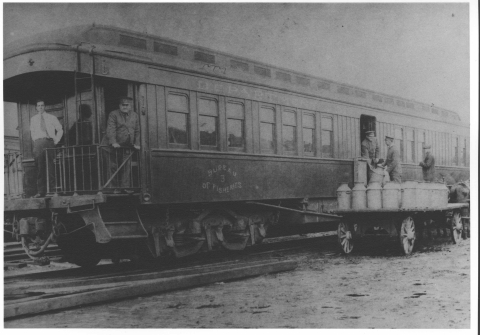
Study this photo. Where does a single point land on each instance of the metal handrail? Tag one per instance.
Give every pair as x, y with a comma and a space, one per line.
13, 175
85, 168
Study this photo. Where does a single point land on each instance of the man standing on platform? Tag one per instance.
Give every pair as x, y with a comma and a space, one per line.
46, 132
123, 133
392, 163
428, 164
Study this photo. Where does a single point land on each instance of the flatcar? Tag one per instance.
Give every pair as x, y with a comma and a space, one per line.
230, 149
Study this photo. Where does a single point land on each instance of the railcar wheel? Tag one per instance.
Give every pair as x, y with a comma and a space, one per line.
345, 237
81, 248
407, 235
457, 227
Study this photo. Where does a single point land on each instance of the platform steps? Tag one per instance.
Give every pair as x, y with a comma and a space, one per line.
123, 224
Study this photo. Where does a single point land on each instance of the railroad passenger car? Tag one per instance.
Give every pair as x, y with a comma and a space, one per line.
230, 148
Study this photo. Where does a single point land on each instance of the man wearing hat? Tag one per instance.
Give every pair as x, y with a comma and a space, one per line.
428, 164
392, 162
123, 133
370, 149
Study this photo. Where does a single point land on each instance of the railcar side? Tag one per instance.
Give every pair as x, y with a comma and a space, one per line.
230, 148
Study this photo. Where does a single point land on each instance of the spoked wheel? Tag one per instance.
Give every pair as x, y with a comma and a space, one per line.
457, 227
345, 237
407, 235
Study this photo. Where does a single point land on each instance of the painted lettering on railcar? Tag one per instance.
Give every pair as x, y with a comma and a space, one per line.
221, 179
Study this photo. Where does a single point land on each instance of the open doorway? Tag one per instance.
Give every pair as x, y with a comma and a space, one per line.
367, 123
113, 90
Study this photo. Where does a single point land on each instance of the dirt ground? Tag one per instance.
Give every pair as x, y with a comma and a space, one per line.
430, 289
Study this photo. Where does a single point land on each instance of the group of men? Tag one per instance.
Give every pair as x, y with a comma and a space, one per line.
123, 132
392, 163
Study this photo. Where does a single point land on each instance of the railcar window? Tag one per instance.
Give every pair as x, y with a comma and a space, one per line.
208, 122
327, 137
421, 142
289, 131
134, 42
165, 48
177, 119
410, 146
323, 85
267, 129
399, 142
455, 162
234, 64
235, 125
308, 121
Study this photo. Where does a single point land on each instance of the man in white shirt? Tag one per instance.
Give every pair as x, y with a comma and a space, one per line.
46, 132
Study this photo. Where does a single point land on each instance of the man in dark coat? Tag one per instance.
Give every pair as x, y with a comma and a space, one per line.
393, 161
123, 134
370, 148
428, 164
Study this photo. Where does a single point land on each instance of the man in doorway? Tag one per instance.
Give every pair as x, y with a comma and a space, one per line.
46, 132
428, 164
370, 148
83, 126
123, 134
392, 163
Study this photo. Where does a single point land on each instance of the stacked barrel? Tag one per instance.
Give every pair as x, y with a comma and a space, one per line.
409, 194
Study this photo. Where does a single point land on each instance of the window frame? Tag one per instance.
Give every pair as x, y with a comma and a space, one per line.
293, 152
410, 146
215, 98
273, 108
187, 114
243, 120
401, 147
322, 130
314, 134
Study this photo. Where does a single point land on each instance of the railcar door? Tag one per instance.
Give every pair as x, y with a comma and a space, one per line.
121, 167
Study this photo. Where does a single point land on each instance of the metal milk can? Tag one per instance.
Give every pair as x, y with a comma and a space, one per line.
429, 195
359, 196
374, 195
390, 195
409, 194
344, 196
436, 195
422, 195
444, 191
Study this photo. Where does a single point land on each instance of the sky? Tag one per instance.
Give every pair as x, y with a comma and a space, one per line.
415, 51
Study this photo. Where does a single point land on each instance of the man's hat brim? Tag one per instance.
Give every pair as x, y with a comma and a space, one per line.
125, 99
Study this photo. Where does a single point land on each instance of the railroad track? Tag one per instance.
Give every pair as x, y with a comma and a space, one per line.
14, 255
45, 292
34, 293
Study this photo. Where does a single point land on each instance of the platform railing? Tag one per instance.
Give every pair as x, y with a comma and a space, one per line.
86, 169
13, 175
120, 169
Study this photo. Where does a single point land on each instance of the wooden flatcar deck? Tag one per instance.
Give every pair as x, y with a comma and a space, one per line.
399, 210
